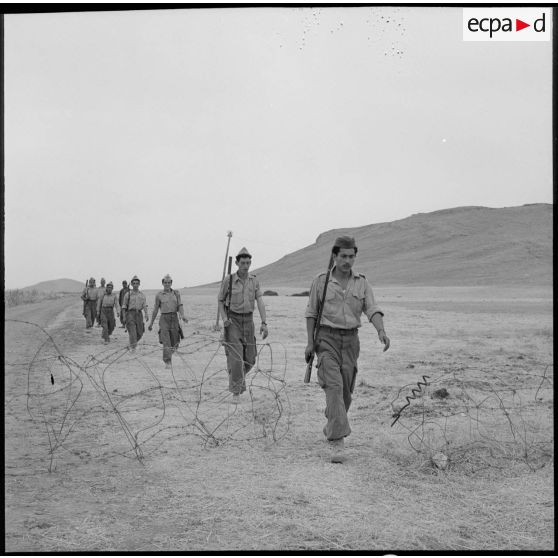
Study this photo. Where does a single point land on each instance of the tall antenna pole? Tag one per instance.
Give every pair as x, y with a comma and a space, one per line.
229, 235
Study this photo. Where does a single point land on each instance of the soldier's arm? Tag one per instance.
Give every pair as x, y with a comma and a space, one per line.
375, 315
311, 316
145, 308
221, 299
180, 307
155, 310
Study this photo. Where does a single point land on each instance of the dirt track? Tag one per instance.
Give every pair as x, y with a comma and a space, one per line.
264, 496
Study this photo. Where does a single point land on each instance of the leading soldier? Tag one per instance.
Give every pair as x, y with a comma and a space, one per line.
133, 303
107, 304
170, 303
348, 296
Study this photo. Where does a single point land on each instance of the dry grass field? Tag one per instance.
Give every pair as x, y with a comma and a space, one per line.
121, 455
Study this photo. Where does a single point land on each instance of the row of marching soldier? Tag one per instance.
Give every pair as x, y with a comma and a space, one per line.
130, 305
337, 300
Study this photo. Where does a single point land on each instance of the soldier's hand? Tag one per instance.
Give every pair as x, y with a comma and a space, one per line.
308, 353
146, 319
185, 319
384, 339
263, 331
150, 327
226, 323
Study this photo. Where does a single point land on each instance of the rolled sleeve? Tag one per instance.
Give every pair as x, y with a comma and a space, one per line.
157, 304
257, 290
222, 296
370, 305
312, 306
178, 299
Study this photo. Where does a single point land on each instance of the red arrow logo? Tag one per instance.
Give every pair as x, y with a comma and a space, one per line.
519, 25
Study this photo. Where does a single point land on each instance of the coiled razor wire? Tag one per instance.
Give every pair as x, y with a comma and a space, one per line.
136, 406
473, 419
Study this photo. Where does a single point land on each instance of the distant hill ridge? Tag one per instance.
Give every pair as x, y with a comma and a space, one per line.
57, 286
470, 245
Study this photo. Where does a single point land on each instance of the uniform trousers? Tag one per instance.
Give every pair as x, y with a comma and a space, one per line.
240, 349
135, 326
168, 334
337, 352
90, 311
108, 322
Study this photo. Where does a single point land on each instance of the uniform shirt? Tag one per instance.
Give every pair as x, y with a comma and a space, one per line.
90, 293
342, 309
243, 295
134, 301
108, 301
168, 302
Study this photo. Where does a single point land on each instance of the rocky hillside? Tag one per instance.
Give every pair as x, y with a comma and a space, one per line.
459, 246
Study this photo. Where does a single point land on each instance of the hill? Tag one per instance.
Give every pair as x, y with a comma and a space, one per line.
57, 286
460, 246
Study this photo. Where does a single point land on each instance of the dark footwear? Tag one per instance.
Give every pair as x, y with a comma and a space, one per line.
337, 450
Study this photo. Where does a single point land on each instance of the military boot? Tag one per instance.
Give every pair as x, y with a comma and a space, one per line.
337, 450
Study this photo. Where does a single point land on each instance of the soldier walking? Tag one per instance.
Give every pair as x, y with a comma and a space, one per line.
107, 304
133, 303
170, 303
238, 295
89, 297
349, 295
125, 289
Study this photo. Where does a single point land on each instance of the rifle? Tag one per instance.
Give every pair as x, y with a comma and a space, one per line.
85, 298
228, 307
229, 234
317, 322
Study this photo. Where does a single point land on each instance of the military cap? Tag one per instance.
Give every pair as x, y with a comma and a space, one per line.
344, 242
92, 279
124, 282
244, 253
167, 277
134, 278
109, 284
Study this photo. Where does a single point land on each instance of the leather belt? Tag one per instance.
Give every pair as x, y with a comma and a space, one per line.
244, 315
340, 331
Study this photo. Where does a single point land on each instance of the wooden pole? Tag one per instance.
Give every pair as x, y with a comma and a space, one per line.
229, 235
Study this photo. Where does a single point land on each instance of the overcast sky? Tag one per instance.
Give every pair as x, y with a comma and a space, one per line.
135, 140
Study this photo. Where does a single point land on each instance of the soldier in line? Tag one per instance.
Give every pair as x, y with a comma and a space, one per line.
133, 303
101, 291
239, 293
168, 300
107, 304
121, 294
348, 296
89, 297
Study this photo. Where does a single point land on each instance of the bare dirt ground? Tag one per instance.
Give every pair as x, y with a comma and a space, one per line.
115, 455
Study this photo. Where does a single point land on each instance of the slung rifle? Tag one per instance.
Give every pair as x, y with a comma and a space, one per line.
308, 373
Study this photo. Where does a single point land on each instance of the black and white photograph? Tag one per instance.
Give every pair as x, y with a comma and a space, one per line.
278, 278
